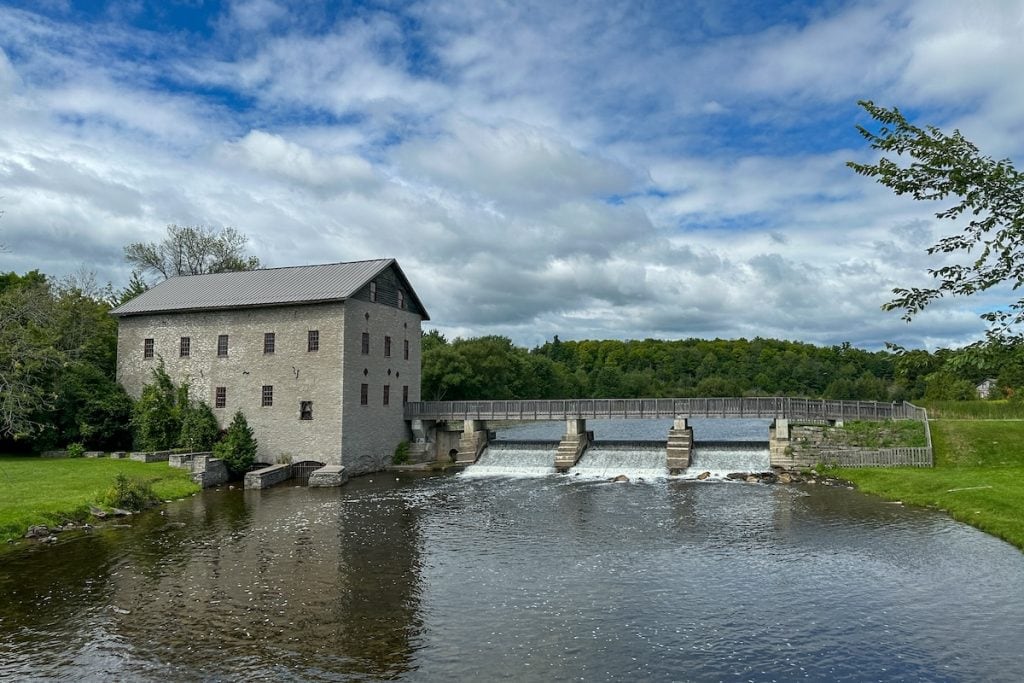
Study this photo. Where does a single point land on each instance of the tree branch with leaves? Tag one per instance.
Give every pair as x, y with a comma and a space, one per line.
930, 165
191, 250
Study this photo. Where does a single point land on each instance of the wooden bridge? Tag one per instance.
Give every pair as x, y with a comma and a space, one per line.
662, 408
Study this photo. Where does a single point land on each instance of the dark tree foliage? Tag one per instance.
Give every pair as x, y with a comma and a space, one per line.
988, 207
156, 418
190, 250
238, 447
199, 429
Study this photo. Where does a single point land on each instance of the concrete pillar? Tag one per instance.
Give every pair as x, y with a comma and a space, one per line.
679, 449
680, 423
473, 441
470, 426
780, 454
575, 427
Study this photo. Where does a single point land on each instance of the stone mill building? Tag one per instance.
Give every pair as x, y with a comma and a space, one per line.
320, 359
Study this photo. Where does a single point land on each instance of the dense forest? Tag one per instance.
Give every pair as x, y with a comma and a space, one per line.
58, 347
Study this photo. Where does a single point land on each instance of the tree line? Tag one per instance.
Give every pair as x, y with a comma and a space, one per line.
492, 367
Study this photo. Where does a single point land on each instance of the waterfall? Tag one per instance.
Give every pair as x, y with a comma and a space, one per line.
724, 457
635, 459
514, 459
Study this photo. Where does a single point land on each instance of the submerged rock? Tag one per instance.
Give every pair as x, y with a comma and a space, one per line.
737, 476
37, 531
703, 475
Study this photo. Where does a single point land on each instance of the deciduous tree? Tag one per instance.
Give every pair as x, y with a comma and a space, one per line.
191, 250
988, 204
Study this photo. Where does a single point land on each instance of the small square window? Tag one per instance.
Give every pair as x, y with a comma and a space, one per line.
268, 342
147, 348
405, 348
387, 394
373, 291
387, 346
364, 394
366, 343
222, 345
185, 349
267, 396
305, 410
313, 341
221, 397
405, 394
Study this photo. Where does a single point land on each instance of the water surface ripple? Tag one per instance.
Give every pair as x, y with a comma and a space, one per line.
552, 578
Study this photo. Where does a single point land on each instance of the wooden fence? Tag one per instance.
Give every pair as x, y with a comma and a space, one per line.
653, 408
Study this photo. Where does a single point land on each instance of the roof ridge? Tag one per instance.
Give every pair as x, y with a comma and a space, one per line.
260, 270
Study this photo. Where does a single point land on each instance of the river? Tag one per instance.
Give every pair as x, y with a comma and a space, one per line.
454, 577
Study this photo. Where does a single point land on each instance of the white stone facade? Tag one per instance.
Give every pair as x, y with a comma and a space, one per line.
342, 430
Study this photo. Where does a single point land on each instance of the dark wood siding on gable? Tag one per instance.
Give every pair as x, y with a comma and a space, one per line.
388, 284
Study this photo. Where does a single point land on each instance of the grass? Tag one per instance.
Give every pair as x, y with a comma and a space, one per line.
978, 476
48, 491
974, 410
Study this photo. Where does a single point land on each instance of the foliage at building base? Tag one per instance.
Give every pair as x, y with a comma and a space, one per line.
238, 447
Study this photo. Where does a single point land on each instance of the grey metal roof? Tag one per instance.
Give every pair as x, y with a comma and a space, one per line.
256, 288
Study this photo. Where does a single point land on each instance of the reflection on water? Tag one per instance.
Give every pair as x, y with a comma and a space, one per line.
454, 578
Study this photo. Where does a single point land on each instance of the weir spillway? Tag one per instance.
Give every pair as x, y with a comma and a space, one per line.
643, 460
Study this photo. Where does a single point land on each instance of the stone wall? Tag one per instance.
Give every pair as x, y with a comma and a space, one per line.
370, 433
808, 445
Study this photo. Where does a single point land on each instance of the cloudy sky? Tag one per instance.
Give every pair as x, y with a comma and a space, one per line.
586, 169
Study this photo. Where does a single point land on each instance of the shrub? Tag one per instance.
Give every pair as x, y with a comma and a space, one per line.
156, 416
75, 450
130, 494
238, 447
199, 429
401, 455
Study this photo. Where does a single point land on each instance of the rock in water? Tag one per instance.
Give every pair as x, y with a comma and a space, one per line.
785, 479
703, 475
752, 479
622, 478
38, 531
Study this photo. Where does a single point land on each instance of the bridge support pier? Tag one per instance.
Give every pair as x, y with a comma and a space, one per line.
472, 443
679, 451
780, 454
572, 445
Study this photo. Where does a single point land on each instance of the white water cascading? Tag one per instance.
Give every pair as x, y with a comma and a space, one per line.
725, 457
514, 459
637, 460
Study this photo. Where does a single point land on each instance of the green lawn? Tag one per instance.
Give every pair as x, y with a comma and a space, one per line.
47, 491
974, 410
978, 476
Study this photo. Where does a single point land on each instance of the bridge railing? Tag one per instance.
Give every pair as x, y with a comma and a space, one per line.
650, 408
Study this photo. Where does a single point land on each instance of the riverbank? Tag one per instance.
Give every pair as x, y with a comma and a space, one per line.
49, 491
978, 476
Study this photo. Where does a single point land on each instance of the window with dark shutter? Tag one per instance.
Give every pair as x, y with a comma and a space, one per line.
387, 346
305, 410
366, 343
387, 394
405, 394
405, 348
364, 394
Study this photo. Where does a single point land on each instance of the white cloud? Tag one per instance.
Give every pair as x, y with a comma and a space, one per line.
555, 168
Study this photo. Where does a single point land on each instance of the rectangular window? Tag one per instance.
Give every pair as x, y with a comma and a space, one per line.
405, 394
387, 394
268, 342
313, 341
186, 347
373, 291
147, 348
221, 397
405, 348
366, 343
401, 299
387, 346
305, 410
364, 394
222, 345
267, 396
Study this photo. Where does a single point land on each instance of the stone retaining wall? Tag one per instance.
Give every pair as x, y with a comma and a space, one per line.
267, 476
